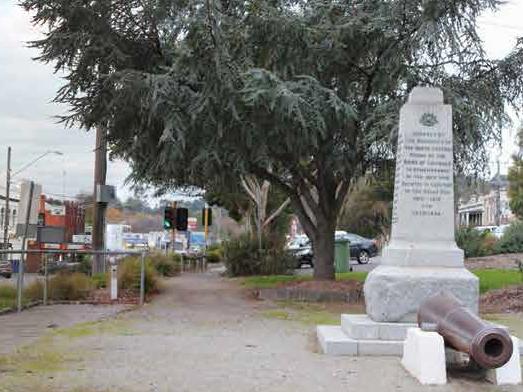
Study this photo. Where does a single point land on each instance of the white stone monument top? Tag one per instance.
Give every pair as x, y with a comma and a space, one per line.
423, 209
425, 96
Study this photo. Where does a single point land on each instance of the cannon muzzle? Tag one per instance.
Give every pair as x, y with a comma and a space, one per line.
488, 345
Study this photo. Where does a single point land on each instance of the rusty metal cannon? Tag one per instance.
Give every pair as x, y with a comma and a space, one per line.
487, 345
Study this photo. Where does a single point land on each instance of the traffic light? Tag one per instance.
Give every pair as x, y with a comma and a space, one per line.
169, 218
182, 215
209, 216
41, 219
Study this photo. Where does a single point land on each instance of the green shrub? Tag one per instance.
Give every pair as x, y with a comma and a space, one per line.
7, 296
243, 258
85, 264
63, 287
214, 254
475, 243
100, 280
34, 291
512, 239
129, 275
7, 292
165, 265
70, 287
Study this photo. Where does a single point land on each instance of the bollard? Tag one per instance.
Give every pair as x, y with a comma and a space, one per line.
45, 279
114, 278
142, 279
19, 285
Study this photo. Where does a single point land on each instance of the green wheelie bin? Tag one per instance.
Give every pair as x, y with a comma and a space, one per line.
341, 255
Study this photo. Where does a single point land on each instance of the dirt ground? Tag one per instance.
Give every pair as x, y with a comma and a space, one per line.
203, 334
502, 261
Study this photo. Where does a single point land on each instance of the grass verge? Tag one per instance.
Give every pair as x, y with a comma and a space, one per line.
514, 322
53, 353
270, 281
309, 314
489, 279
492, 279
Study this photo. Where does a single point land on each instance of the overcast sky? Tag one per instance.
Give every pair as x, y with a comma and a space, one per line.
27, 122
26, 114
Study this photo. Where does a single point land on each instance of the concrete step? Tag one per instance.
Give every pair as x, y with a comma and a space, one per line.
360, 336
361, 327
334, 341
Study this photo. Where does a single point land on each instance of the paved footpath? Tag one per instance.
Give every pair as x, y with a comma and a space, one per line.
204, 334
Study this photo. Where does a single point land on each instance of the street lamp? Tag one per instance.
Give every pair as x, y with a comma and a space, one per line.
36, 160
8, 186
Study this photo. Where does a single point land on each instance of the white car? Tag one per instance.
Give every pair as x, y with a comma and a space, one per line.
498, 231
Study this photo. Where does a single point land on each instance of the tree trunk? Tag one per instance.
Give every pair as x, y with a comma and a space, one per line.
319, 224
323, 249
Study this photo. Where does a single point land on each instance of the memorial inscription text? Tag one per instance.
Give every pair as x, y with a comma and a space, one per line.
424, 171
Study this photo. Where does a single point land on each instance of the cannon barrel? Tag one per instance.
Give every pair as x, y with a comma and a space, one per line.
488, 345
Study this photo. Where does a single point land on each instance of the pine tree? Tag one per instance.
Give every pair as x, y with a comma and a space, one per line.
304, 94
515, 178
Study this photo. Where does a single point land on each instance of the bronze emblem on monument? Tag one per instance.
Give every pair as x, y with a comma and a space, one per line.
428, 119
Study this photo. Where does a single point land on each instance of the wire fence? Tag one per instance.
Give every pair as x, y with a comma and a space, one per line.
47, 263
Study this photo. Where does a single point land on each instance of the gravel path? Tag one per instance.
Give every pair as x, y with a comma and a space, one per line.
21, 329
203, 334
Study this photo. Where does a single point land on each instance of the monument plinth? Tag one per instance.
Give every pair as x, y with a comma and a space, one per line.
422, 257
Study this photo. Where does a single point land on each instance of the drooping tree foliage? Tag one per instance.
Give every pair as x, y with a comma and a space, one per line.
515, 179
302, 93
368, 208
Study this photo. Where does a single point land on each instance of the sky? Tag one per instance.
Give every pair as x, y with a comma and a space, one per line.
27, 118
28, 125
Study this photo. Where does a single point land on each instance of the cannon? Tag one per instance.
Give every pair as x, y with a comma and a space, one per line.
488, 346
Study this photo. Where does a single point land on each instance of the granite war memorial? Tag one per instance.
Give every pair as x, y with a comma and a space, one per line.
422, 258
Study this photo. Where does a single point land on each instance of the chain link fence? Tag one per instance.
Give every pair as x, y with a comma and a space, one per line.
53, 262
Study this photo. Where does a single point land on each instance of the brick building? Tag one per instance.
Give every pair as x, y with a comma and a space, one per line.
58, 222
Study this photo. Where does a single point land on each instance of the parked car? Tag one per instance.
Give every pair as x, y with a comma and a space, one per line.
304, 256
499, 231
496, 231
5, 269
301, 248
361, 248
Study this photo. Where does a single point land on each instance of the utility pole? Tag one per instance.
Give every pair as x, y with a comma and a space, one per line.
7, 197
173, 230
100, 164
23, 256
100, 175
498, 195
206, 223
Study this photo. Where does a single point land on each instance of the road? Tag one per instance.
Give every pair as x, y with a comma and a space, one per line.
202, 334
374, 262
28, 279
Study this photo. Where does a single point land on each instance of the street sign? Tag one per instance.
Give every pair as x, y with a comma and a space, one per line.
82, 239
192, 224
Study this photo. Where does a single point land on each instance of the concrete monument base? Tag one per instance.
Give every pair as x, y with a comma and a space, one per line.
434, 253
394, 294
424, 357
358, 335
510, 373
